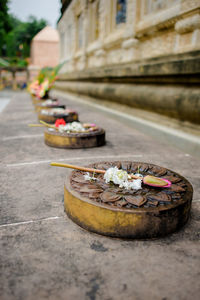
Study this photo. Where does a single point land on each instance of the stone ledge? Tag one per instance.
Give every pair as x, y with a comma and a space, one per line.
172, 65
168, 85
178, 102
188, 24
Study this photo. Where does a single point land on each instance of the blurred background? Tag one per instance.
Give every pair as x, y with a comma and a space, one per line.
144, 54
20, 56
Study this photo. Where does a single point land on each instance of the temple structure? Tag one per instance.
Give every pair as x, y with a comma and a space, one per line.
143, 53
44, 49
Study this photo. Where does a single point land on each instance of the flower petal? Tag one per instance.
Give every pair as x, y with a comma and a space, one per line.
156, 181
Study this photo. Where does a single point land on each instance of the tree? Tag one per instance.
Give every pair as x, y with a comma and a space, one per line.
5, 25
15, 35
18, 40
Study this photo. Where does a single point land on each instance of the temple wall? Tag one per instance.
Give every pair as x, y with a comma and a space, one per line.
91, 37
108, 36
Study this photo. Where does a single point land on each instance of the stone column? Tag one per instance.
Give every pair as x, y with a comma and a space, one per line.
27, 75
85, 36
188, 33
1, 82
14, 83
130, 43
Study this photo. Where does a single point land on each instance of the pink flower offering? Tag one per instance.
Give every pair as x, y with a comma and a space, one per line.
156, 181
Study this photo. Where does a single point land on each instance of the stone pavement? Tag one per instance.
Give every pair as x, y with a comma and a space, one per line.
44, 255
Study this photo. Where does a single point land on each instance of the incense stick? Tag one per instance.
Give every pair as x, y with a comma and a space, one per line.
149, 180
48, 125
35, 125
90, 170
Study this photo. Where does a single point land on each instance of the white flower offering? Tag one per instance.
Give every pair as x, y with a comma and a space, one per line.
88, 177
122, 178
54, 111
58, 111
44, 112
48, 102
71, 127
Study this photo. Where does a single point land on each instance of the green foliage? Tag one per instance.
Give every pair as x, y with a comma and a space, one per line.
18, 62
13, 62
5, 25
19, 39
49, 72
44, 81
15, 35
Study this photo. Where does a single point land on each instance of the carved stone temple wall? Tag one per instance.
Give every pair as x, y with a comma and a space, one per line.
143, 53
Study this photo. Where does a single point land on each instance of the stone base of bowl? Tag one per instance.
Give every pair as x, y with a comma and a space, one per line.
74, 140
35, 100
82, 205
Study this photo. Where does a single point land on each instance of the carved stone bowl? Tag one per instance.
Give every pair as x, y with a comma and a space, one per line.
56, 139
109, 210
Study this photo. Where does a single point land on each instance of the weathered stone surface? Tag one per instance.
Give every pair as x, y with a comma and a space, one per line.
178, 99
123, 61
92, 34
174, 101
48, 256
136, 200
184, 66
111, 193
110, 197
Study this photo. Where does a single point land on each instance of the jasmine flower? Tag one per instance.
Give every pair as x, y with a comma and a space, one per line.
122, 178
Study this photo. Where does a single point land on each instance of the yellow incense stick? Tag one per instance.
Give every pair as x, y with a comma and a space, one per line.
149, 180
47, 125
91, 170
35, 125
43, 124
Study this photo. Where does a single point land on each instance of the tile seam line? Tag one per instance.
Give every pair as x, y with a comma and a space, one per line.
161, 128
69, 159
30, 221
21, 137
